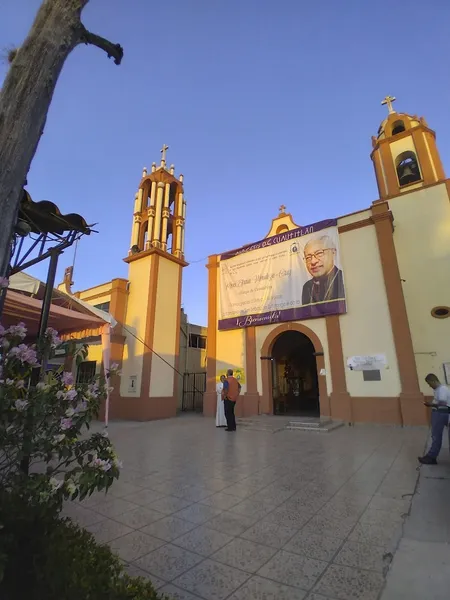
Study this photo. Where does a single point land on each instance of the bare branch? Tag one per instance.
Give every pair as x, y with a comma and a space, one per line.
114, 50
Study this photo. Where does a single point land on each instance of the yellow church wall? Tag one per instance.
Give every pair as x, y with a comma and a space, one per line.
284, 222
165, 332
354, 217
427, 146
97, 300
366, 327
422, 242
95, 353
405, 144
136, 315
104, 288
230, 353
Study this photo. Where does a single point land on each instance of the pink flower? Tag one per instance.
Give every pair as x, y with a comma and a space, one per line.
103, 465
24, 354
71, 395
80, 407
67, 378
66, 424
18, 330
52, 334
20, 405
4, 282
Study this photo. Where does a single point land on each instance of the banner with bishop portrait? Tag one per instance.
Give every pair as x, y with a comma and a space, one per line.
291, 276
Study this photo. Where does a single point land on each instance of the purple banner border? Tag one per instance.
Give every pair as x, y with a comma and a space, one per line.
309, 311
280, 238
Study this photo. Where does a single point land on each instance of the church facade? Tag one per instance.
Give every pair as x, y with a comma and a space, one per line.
343, 318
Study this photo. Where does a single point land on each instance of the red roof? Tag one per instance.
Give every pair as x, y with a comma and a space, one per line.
22, 308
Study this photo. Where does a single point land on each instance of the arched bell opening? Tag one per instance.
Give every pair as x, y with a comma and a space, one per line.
407, 167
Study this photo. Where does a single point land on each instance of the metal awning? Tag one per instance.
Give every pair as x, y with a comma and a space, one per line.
21, 307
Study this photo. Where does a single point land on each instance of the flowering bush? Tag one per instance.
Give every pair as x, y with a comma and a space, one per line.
45, 456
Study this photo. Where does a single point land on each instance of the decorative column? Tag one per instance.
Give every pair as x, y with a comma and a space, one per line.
178, 220
165, 217
156, 238
182, 229
151, 214
340, 399
251, 397
136, 222
210, 397
411, 398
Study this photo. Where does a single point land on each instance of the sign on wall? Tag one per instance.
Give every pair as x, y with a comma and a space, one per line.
373, 362
291, 276
238, 373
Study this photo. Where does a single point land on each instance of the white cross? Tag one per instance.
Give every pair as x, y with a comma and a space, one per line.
163, 152
388, 101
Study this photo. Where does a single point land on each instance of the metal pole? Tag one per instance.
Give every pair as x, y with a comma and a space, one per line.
50, 284
43, 354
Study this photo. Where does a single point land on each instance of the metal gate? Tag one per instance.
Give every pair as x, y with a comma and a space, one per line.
194, 386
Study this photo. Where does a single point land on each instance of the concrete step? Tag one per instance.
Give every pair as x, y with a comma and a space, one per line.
318, 429
276, 424
312, 424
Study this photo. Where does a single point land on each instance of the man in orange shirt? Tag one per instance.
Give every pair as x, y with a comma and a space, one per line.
230, 394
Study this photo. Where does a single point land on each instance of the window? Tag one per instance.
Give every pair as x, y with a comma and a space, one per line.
281, 229
407, 168
197, 341
441, 312
103, 306
398, 127
86, 372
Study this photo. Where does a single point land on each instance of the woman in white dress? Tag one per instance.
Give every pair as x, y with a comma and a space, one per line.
220, 412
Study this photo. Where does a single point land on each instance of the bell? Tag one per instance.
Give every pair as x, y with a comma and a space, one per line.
407, 175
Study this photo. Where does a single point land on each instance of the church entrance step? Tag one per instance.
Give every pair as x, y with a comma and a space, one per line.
274, 424
323, 427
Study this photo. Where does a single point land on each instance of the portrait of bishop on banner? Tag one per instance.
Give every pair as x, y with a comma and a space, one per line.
291, 276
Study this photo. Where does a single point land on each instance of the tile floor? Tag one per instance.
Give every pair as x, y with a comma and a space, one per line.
256, 515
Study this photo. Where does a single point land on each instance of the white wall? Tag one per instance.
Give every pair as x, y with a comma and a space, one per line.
366, 328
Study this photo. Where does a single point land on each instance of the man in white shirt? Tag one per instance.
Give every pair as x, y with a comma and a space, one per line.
439, 418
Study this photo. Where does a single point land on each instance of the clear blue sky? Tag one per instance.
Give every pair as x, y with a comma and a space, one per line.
261, 103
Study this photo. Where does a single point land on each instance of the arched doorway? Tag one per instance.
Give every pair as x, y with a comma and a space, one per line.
267, 400
295, 382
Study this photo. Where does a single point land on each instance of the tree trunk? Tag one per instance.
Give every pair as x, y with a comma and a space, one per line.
26, 96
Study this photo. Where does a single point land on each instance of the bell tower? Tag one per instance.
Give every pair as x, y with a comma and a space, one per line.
149, 383
159, 211
405, 155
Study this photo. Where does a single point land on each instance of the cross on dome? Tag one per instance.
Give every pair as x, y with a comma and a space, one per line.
388, 101
163, 153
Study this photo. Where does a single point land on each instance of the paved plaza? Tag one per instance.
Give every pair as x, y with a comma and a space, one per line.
257, 515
